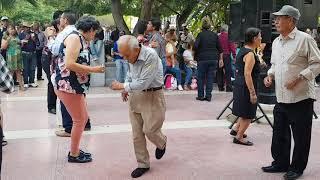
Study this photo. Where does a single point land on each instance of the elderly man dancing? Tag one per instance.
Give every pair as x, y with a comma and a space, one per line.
147, 104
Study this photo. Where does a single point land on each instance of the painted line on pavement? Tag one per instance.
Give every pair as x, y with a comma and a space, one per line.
8, 98
107, 129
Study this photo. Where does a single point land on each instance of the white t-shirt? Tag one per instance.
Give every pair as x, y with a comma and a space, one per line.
187, 55
188, 58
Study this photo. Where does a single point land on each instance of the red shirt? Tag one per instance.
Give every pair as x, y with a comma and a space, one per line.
227, 46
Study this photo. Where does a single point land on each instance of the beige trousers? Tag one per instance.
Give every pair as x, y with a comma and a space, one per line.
147, 113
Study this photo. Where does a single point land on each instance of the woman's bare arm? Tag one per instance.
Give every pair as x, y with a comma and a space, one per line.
73, 46
249, 61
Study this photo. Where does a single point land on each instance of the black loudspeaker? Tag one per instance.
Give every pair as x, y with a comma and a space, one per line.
251, 13
265, 20
235, 22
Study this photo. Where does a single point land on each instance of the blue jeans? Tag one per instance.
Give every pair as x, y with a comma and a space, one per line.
164, 65
189, 73
206, 71
175, 71
122, 69
29, 67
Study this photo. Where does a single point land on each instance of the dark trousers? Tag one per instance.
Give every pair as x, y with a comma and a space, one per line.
67, 120
108, 47
51, 96
29, 67
39, 63
296, 117
225, 73
206, 72
4, 54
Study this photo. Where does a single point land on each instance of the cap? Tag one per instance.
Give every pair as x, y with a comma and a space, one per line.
26, 24
288, 10
4, 18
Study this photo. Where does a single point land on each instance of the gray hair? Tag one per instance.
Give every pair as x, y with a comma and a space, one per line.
295, 21
131, 41
224, 28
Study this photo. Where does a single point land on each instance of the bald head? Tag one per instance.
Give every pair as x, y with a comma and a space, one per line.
129, 48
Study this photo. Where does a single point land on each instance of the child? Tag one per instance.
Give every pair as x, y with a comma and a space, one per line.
190, 65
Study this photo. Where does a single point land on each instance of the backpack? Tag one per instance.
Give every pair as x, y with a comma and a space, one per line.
194, 84
170, 82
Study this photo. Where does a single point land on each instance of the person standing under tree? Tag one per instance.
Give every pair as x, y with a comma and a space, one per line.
11, 43
224, 73
41, 41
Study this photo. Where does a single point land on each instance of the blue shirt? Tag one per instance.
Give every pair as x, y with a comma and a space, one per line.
30, 46
116, 50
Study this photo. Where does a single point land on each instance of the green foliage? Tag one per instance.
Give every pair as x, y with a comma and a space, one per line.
215, 9
8, 4
94, 7
24, 11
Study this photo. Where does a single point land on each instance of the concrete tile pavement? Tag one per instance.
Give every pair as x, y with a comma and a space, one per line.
199, 147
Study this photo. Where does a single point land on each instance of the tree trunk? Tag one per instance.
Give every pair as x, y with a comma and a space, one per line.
146, 10
145, 14
182, 18
118, 16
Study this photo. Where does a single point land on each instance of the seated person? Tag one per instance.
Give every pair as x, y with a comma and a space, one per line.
172, 64
190, 66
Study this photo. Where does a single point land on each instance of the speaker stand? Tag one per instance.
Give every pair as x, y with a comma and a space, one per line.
256, 119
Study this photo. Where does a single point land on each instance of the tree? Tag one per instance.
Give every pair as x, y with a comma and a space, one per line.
7, 4
24, 11
118, 16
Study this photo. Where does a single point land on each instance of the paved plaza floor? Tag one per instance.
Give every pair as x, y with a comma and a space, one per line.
199, 146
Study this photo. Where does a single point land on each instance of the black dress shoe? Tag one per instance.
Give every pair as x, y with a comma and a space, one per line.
234, 133
247, 143
82, 158
200, 98
207, 99
274, 169
221, 89
160, 152
139, 172
52, 111
292, 175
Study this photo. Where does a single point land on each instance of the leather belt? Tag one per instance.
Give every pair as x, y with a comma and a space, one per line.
152, 89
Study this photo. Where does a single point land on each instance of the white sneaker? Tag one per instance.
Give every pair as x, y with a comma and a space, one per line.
180, 88
26, 86
34, 85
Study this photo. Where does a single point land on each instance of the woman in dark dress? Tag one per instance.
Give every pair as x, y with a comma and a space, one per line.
245, 85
